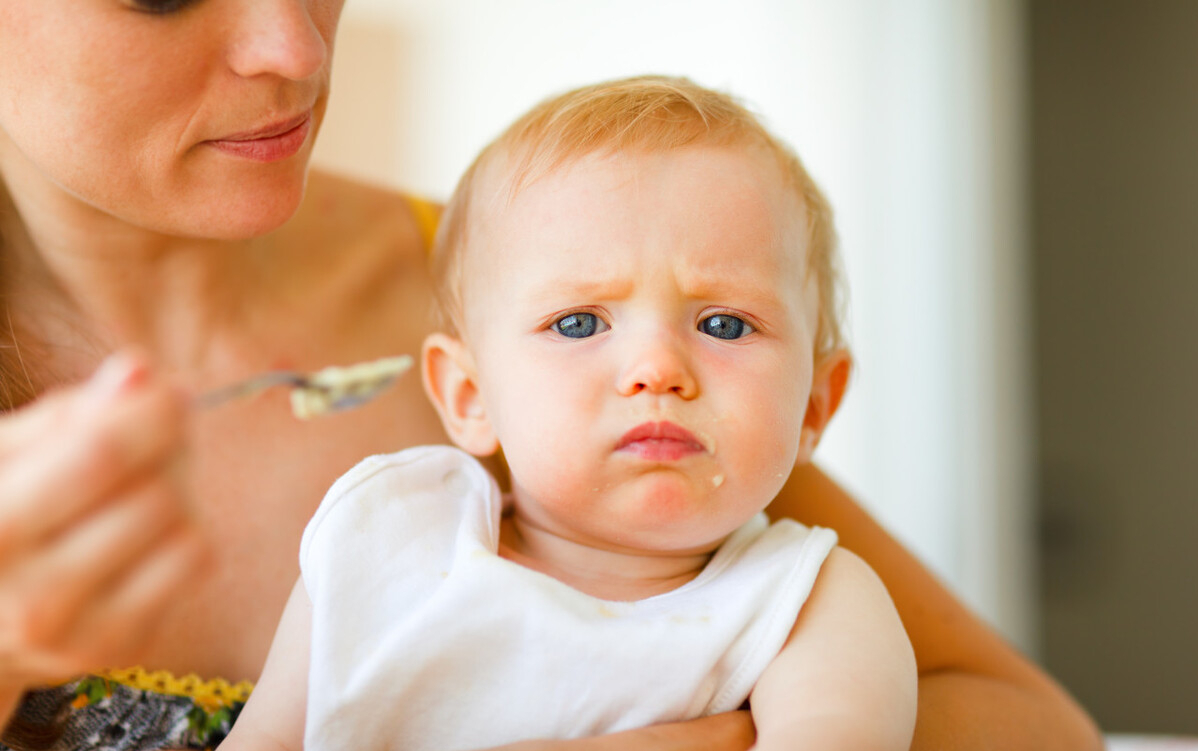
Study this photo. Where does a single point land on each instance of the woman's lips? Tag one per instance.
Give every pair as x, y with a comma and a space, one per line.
270, 144
660, 441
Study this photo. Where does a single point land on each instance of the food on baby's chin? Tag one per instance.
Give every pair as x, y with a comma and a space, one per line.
333, 389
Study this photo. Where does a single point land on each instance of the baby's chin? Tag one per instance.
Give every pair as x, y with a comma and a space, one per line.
677, 513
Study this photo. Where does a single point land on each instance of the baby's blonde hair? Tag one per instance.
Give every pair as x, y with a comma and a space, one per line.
645, 113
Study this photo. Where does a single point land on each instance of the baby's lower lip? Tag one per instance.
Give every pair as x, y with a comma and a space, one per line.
662, 449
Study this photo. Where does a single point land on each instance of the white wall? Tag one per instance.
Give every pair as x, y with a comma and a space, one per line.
908, 112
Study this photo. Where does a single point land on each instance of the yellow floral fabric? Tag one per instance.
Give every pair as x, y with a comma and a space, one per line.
211, 695
129, 709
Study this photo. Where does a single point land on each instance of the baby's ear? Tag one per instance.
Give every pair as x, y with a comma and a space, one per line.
828, 384
449, 381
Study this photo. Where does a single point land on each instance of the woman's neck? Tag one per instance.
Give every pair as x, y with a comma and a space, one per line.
83, 283
606, 573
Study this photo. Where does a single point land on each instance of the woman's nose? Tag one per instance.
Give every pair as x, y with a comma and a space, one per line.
658, 365
281, 37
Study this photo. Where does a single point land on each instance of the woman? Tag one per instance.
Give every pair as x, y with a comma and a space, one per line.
156, 203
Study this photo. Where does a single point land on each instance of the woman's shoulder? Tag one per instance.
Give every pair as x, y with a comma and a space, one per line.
356, 253
346, 211
351, 236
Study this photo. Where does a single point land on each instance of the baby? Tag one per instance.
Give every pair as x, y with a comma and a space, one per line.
639, 293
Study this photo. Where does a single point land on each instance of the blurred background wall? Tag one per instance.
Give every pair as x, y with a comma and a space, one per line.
1012, 180
1114, 126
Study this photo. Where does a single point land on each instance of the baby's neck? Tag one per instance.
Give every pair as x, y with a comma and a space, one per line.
619, 575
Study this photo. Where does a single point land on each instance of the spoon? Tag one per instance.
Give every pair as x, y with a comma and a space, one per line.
321, 392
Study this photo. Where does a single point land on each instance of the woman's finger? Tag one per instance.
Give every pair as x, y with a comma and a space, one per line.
118, 627
77, 455
110, 625
118, 373
77, 567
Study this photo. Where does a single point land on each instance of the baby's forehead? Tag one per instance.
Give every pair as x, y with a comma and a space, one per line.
515, 167
741, 171
727, 200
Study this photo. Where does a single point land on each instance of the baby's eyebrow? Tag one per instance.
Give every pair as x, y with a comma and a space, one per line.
702, 285
588, 286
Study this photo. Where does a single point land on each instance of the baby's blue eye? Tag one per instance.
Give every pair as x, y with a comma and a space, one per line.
724, 326
579, 325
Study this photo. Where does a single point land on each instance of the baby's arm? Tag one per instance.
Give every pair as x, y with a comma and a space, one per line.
273, 718
975, 690
846, 678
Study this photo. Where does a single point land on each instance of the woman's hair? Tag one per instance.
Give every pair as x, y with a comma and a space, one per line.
644, 113
16, 388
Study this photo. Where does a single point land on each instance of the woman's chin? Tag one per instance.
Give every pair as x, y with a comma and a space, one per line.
240, 213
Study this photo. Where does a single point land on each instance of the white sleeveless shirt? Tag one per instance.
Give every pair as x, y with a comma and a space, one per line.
424, 638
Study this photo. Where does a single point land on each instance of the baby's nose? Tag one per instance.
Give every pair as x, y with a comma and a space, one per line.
658, 366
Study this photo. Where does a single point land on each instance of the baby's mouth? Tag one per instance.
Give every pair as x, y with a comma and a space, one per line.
660, 441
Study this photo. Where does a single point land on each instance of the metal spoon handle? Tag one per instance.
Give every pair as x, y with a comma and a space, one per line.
327, 390
249, 387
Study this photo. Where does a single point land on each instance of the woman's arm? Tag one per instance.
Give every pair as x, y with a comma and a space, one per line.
975, 690
731, 731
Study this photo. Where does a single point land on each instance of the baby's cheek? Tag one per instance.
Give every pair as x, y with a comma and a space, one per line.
553, 470
768, 445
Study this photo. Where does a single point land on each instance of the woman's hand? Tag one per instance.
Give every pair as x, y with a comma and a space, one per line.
730, 731
96, 536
